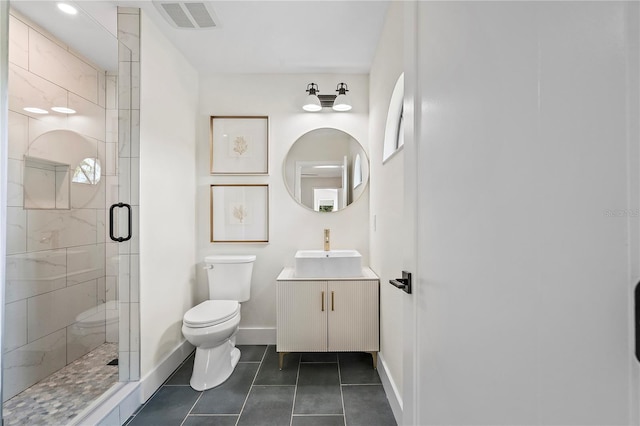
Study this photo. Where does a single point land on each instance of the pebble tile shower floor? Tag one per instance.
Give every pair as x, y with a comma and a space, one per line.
56, 400
312, 389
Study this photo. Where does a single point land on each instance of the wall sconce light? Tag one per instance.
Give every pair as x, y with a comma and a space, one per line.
312, 102
342, 103
315, 102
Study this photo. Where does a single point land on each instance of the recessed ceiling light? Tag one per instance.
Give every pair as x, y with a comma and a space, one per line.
67, 8
36, 110
63, 110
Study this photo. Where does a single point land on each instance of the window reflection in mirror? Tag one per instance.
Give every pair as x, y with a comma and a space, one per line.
325, 199
87, 172
357, 172
326, 170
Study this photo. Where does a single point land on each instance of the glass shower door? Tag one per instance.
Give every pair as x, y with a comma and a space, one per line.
67, 284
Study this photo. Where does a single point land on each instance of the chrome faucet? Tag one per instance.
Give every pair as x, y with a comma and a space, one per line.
327, 240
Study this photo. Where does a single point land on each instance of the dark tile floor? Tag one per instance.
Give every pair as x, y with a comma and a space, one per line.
313, 389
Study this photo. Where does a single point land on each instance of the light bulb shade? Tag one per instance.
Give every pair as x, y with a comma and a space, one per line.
341, 103
312, 103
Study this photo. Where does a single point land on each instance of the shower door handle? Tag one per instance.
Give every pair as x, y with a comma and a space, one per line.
636, 303
111, 210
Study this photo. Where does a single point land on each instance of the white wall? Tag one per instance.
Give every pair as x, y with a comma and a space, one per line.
387, 199
291, 227
169, 110
525, 278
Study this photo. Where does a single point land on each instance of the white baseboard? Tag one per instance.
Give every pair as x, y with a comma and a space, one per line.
256, 336
152, 381
390, 388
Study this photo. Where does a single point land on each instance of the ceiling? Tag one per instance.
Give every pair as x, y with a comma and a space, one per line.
302, 36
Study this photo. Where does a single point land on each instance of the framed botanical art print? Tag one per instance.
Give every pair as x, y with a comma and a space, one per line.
239, 145
240, 213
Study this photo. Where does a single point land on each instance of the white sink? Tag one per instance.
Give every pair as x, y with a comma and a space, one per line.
328, 264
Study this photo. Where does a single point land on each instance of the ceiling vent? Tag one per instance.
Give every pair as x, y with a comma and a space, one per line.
188, 15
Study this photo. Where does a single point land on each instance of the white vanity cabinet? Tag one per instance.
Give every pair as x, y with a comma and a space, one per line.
328, 315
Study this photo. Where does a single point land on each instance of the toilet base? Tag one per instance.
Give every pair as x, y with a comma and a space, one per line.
212, 366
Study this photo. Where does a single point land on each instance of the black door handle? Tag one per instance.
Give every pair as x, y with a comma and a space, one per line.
113, 237
637, 319
403, 283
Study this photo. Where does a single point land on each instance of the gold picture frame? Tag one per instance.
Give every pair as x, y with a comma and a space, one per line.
239, 145
239, 213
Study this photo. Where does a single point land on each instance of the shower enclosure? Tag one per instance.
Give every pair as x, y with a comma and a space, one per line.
70, 285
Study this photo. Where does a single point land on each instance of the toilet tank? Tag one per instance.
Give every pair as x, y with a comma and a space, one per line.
229, 276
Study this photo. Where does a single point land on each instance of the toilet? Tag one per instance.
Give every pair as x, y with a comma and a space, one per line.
211, 326
96, 318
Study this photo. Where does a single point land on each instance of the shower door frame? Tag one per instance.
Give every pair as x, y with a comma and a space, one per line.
4, 155
128, 191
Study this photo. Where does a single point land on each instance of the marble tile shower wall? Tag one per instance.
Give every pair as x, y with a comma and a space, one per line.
59, 267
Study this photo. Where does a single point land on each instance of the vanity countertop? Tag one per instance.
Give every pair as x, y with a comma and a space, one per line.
287, 274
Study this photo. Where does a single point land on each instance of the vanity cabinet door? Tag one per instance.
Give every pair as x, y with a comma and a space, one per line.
302, 316
353, 320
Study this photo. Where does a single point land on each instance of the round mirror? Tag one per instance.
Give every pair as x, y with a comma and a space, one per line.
326, 170
62, 171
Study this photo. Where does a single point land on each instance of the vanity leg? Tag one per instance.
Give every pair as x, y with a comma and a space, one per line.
281, 359
374, 355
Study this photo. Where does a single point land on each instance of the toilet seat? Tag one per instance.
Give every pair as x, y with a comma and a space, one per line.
211, 312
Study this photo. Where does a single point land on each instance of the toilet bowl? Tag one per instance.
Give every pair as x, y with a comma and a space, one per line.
212, 325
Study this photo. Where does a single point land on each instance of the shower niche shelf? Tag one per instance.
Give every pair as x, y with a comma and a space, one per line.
46, 184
